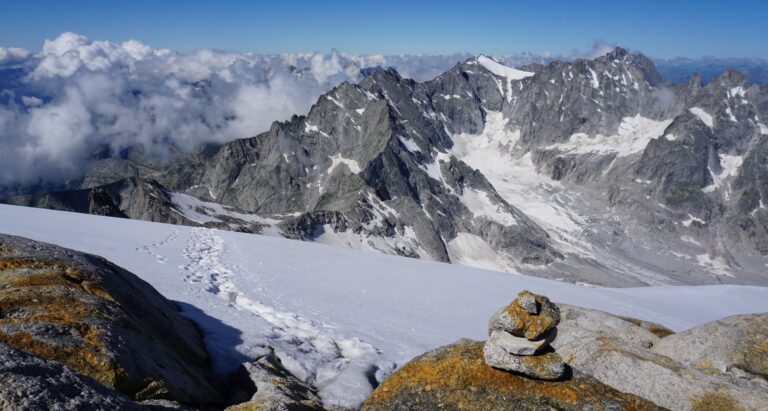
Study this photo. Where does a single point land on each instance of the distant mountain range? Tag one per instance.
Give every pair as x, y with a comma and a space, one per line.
594, 171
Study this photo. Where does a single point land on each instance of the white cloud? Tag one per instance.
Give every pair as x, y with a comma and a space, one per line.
12, 54
599, 48
31, 101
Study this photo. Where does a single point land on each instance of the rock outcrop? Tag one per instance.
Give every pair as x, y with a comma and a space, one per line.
737, 345
628, 357
265, 385
101, 321
457, 377
516, 369
519, 337
31, 383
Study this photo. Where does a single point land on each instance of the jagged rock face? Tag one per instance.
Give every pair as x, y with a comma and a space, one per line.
672, 165
631, 358
31, 383
585, 96
594, 168
101, 321
265, 385
456, 377
134, 197
376, 153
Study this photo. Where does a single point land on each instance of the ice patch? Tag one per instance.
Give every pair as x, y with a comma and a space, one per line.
633, 136
716, 265
501, 70
593, 77
409, 144
480, 205
471, 250
335, 101
730, 165
352, 165
495, 135
689, 239
310, 128
434, 171
703, 116
737, 91
691, 219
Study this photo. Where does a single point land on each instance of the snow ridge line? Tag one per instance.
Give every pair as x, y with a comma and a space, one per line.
307, 349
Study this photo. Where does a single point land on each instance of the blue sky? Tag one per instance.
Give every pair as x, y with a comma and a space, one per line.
658, 28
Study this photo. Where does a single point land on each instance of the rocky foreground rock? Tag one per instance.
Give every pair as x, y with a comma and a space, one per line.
79, 333
519, 337
100, 321
711, 367
31, 383
736, 345
265, 385
457, 377
608, 362
516, 369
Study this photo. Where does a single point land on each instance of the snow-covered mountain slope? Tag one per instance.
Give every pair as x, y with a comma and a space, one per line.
339, 318
586, 171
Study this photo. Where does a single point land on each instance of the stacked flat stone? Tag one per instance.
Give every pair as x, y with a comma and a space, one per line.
519, 337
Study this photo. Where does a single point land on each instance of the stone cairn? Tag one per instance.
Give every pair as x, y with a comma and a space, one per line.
519, 337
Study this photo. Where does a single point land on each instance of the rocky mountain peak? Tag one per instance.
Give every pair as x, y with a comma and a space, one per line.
730, 78
435, 169
618, 53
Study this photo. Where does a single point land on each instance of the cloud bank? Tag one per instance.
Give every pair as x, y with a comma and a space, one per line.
77, 97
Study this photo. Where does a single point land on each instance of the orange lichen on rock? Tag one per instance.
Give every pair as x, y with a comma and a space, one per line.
529, 315
715, 401
47, 294
655, 329
101, 321
57, 295
753, 353
456, 377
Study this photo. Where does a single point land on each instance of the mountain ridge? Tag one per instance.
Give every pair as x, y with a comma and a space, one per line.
382, 165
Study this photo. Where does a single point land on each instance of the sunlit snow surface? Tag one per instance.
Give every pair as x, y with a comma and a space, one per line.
502, 70
337, 316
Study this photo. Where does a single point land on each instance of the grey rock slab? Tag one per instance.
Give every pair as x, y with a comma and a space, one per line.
32, 383
546, 366
519, 345
619, 353
734, 343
